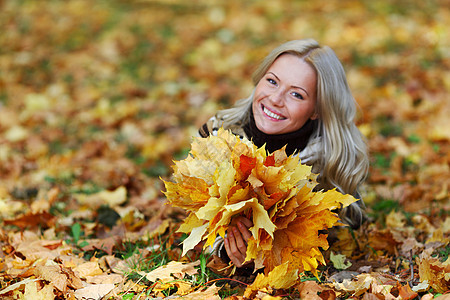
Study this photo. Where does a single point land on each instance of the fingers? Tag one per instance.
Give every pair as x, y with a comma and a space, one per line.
244, 220
232, 249
236, 240
243, 229
241, 244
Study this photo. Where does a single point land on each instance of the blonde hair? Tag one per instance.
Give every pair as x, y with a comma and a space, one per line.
343, 150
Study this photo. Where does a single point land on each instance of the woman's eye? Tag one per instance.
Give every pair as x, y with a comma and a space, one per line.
297, 95
271, 81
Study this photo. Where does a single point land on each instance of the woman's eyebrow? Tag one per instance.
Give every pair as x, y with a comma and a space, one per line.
299, 87
294, 86
274, 75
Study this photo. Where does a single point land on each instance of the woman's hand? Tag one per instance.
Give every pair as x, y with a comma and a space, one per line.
236, 240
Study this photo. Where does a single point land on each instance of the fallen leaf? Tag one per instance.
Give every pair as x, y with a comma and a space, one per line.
16, 134
339, 261
32, 292
383, 240
395, 220
405, 292
433, 271
358, 287
17, 285
110, 198
209, 293
88, 269
309, 290
31, 220
106, 244
173, 270
105, 279
62, 278
343, 275
94, 291
280, 277
43, 203
9, 208
421, 287
54, 275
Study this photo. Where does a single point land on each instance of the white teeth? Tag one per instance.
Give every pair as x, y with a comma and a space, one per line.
271, 114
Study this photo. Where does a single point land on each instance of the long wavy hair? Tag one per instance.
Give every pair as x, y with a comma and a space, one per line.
343, 151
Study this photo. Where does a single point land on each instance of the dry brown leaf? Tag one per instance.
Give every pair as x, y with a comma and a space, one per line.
154, 229
32, 292
410, 244
173, 270
105, 279
17, 285
54, 275
94, 291
309, 290
210, 293
405, 292
360, 286
44, 202
62, 278
88, 269
383, 240
370, 296
31, 220
106, 244
42, 250
218, 266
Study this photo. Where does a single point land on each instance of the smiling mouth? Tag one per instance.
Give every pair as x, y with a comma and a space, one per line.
272, 114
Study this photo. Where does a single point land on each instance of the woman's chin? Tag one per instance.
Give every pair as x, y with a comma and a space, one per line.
268, 129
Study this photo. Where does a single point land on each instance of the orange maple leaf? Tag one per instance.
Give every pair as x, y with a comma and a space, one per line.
247, 164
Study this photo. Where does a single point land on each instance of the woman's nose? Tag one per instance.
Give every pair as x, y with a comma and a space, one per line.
276, 98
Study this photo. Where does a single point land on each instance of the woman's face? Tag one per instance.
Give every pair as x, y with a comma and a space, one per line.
285, 98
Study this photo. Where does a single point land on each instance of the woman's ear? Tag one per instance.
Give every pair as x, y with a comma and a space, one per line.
314, 116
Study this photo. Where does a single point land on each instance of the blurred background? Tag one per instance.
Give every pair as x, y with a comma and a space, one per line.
100, 94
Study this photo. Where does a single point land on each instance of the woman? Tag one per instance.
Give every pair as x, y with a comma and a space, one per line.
302, 100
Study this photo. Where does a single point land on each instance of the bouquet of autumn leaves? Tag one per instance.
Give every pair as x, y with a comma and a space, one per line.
225, 176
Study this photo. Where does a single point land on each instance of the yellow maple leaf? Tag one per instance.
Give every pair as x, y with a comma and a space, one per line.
434, 271
191, 193
195, 237
280, 277
299, 243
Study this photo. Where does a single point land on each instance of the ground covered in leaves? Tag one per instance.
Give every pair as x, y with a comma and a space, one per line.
98, 97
